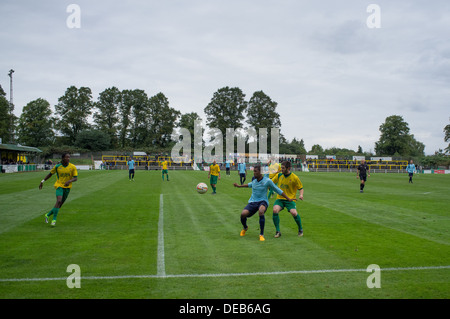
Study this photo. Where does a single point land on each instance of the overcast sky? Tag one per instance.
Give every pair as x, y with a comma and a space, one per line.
335, 79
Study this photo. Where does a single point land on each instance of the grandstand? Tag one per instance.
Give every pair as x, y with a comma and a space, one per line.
337, 165
147, 162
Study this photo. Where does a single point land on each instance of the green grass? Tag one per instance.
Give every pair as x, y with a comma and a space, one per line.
109, 227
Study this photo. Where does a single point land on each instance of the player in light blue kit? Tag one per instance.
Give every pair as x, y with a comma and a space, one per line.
258, 202
242, 171
411, 169
130, 168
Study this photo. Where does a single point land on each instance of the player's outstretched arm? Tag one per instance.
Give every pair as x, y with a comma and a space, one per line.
45, 178
240, 186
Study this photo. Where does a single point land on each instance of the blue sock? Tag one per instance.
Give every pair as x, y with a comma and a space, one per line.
262, 222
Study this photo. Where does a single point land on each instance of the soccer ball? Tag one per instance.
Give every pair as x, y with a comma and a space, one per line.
202, 188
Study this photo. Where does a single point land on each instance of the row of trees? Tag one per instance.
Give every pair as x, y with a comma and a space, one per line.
131, 119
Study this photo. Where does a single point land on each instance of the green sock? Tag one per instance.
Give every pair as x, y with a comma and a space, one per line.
276, 221
55, 212
163, 176
214, 189
167, 176
298, 221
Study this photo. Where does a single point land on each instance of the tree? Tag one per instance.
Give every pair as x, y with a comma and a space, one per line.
73, 110
261, 112
5, 118
138, 102
447, 137
107, 117
316, 149
163, 119
36, 124
395, 138
187, 121
93, 140
226, 109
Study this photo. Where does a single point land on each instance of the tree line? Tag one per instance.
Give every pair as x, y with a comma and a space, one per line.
130, 119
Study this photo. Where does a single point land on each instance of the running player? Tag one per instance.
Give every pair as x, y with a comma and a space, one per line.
289, 183
258, 202
66, 174
362, 172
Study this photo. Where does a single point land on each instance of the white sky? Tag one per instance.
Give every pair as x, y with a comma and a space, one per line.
335, 79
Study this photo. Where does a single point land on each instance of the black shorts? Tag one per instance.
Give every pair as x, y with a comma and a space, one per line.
363, 177
131, 171
411, 174
242, 174
253, 207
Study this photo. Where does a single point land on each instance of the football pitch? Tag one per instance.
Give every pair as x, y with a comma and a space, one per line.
162, 240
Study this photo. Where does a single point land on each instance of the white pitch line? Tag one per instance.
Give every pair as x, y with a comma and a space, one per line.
275, 273
161, 268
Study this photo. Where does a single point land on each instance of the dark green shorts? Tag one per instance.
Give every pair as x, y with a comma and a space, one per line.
285, 204
64, 192
165, 171
213, 179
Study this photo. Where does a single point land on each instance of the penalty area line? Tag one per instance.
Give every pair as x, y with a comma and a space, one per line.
275, 273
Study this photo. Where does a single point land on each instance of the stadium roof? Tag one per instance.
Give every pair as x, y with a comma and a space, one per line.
19, 148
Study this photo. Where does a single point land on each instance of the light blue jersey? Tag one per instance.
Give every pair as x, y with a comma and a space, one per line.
411, 168
242, 168
130, 164
259, 189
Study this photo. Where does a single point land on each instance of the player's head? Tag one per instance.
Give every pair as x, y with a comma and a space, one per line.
286, 167
257, 171
65, 158
411, 161
363, 161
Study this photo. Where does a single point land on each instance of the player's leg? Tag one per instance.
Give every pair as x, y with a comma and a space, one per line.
262, 220
297, 220
58, 204
277, 207
361, 186
244, 215
167, 175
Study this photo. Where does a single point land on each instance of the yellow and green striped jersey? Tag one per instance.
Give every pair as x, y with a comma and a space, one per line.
288, 184
214, 170
63, 174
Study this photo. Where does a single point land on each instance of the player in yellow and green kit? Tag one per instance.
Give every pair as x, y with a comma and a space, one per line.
66, 174
165, 170
214, 175
289, 183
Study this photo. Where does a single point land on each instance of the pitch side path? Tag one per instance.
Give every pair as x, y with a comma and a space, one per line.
155, 239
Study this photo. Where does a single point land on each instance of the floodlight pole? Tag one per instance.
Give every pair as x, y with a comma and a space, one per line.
11, 106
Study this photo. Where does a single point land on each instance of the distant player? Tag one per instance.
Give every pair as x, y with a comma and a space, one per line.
66, 174
258, 202
214, 176
165, 170
289, 183
228, 167
411, 169
362, 172
274, 169
130, 164
242, 172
